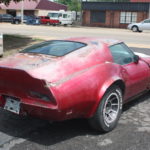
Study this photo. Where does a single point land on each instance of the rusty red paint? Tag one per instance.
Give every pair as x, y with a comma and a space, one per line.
75, 82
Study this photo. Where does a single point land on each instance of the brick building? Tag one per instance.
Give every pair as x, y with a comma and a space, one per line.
140, 1
38, 7
114, 15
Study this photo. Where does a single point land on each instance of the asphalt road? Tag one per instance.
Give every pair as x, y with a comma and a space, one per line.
50, 32
132, 132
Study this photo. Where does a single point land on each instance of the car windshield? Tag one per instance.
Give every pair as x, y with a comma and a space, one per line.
54, 48
53, 15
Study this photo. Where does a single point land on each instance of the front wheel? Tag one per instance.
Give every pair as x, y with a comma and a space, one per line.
108, 111
135, 29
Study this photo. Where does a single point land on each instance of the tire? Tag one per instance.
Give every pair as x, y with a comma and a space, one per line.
135, 29
16, 22
48, 23
107, 115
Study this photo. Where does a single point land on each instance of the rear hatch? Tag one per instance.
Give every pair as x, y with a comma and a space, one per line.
18, 83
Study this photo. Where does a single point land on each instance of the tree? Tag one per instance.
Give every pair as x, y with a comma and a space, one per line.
73, 5
8, 1
108, 0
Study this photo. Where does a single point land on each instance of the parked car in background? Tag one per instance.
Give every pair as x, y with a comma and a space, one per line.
6, 18
74, 78
33, 21
65, 17
17, 19
47, 20
139, 27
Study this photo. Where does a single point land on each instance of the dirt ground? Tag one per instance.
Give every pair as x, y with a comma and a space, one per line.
14, 43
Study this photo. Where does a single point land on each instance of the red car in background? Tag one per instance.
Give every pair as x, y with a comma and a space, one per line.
74, 78
47, 20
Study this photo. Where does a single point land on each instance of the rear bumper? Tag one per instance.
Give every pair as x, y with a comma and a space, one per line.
39, 109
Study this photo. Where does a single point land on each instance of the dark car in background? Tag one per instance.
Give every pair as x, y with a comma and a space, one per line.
6, 18
17, 19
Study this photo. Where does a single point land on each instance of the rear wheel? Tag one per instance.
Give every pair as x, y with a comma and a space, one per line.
109, 111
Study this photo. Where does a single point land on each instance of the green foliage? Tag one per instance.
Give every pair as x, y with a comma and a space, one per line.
8, 1
108, 0
74, 5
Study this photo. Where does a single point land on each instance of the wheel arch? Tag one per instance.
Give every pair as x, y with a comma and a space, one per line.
105, 87
136, 27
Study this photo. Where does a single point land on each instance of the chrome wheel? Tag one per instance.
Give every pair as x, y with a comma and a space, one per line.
135, 29
111, 108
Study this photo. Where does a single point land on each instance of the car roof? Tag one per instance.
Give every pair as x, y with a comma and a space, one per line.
94, 40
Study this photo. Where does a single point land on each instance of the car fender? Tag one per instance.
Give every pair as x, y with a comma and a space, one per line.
102, 90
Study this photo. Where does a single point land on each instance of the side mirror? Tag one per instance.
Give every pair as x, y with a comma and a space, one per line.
136, 58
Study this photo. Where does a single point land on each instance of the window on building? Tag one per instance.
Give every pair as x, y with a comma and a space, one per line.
98, 16
128, 17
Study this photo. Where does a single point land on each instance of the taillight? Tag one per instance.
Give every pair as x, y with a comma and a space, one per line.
40, 96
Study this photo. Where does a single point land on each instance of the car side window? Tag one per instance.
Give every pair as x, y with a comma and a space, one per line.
147, 21
121, 54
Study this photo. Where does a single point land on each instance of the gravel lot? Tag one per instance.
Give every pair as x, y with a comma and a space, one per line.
132, 132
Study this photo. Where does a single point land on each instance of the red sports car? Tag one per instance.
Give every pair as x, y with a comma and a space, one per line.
74, 78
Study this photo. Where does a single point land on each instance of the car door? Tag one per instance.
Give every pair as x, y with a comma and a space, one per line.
145, 25
135, 74
7, 18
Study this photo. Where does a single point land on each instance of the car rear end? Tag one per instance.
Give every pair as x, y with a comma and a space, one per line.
23, 94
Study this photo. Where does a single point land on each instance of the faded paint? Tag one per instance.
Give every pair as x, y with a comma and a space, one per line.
75, 82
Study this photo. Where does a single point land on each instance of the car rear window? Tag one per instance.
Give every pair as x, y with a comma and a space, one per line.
54, 48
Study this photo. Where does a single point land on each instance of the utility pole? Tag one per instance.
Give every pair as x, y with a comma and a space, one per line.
81, 12
22, 11
149, 11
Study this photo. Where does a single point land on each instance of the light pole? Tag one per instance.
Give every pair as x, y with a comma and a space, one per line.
149, 10
22, 11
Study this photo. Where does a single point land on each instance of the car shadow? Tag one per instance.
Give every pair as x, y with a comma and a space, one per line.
136, 101
44, 133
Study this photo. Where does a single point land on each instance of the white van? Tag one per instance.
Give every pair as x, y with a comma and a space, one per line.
65, 17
